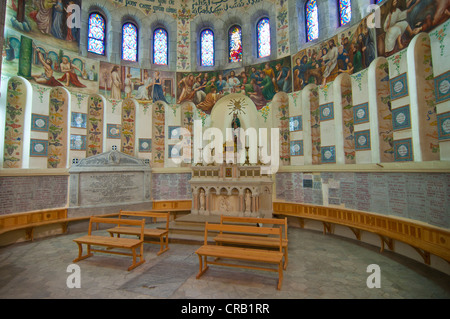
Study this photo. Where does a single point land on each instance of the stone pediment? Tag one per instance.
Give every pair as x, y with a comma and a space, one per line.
113, 160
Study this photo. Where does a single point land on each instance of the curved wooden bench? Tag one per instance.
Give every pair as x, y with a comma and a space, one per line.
425, 239
30, 220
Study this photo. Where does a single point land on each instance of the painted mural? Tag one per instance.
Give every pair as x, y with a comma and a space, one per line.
47, 66
44, 20
347, 52
57, 130
259, 82
401, 20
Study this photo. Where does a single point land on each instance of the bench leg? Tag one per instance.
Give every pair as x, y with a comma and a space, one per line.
141, 257
285, 258
80, 253
202, 268
280, 275
163, 242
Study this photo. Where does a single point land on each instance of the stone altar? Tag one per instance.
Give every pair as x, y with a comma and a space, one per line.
231, 189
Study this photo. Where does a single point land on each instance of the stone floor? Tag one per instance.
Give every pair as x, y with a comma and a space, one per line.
320, 267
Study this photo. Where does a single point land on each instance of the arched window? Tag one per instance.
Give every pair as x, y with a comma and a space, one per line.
345, 11
312, 20
129, 42
263, 37
160, 47
207, 48
96, 33
235, 44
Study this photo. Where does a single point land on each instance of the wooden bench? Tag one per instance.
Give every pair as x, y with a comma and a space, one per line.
239, 253
251, 240
113, 242
161, 234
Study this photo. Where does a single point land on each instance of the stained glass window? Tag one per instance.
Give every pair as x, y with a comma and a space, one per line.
312, 20
96, 34
160, 47
129, 42
235, 43
263, 37
207, 48
345, 11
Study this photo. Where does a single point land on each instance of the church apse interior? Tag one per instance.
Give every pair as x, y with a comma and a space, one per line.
332, 114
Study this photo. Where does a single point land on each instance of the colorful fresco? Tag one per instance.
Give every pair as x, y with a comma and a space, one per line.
158, 134
347, 52
44, 20
128, 126
148, 86
95, 125
45, 65
259, 82
401, 20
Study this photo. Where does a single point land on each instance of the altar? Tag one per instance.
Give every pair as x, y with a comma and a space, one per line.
232, 190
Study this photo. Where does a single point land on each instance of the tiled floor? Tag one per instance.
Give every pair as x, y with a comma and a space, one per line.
320, 266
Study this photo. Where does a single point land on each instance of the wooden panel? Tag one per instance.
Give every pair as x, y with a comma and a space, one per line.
22, 219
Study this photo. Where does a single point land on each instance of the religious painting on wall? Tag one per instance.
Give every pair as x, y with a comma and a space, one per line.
349, 52
45, 20
110, 81
401, 20
45, 65
148, 86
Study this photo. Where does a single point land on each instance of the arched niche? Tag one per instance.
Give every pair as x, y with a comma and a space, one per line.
17, 123
345, 141
380, 114
128, 136
422, 99
95, 124
58, 128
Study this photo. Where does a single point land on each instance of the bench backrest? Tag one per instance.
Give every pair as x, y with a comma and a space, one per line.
117, 221
277, 231
149, 214
256, 220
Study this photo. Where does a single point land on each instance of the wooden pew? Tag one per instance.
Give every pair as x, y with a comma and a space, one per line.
161, 234
251, 240
274, 257
112, 242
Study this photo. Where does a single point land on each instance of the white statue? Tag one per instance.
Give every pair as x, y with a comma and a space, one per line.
248, 202
202, 199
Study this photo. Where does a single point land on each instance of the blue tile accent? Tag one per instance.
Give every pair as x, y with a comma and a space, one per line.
328, 154
78, 142
403, 150
398, 86
361, 113
401, 118
113, 131
78, 120
295, 123
38, 148
39, 123
296, 148
362, 140
326, 112
145, 145
442, 87
443, 124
